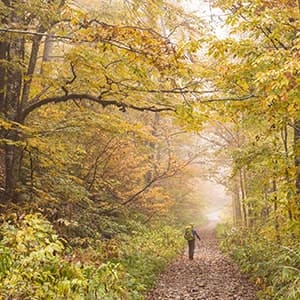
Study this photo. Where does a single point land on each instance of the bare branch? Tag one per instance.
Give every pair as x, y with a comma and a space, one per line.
134, 196
214, 142
73, 72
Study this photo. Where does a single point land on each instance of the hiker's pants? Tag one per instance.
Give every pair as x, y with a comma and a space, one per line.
191, 248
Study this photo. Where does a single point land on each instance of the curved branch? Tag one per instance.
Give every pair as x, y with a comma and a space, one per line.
121, 105
73, 73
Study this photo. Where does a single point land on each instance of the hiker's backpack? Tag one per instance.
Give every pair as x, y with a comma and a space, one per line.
188, 233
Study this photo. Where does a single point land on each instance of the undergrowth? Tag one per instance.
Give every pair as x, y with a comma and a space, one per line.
36, 264
273, 265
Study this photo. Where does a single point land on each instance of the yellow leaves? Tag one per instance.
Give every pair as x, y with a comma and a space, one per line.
243, 84
76, 179
191, 118
157, 199
127, 40
5, 124
8, 124
34, 142
78, 17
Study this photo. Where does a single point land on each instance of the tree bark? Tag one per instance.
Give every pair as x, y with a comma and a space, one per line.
243, 196
237, 204
3, 56
284, 135
12, 87
276, 221
30, 71
297, 165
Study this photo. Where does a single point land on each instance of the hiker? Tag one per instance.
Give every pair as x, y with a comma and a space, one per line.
190, 235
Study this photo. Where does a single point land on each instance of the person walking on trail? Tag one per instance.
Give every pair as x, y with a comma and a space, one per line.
190, 234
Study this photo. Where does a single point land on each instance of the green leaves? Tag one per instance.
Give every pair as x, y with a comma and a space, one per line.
35, 265
275, 268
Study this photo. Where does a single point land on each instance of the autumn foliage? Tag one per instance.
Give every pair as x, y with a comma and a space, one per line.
102, 110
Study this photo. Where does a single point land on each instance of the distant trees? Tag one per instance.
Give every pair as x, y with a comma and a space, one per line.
260, 58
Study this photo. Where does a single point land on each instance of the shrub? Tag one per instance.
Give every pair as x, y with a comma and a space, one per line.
32, 266
275, 267
36, 264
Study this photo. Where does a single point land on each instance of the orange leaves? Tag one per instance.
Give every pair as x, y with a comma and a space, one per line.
143, 42
281, 3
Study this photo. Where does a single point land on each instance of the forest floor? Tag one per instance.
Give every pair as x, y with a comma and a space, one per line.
210, 276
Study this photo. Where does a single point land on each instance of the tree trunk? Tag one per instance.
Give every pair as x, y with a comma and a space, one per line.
243, 195
3, 108
297, 165
48, 46
276, 221
12, 171
3, 56
284, 135
237, 204
30, 71
13, 51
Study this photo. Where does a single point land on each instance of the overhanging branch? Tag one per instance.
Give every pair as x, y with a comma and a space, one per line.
237, 99
121, 105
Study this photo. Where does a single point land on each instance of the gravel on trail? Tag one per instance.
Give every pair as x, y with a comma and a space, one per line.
210, 276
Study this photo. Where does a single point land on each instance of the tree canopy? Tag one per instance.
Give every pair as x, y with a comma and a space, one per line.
110, 109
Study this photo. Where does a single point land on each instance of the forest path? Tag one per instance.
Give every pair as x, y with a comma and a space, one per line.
210, 276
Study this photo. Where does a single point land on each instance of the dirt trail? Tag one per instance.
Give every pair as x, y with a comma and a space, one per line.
210, 276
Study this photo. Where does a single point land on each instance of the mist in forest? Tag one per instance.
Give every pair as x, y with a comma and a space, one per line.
214, 197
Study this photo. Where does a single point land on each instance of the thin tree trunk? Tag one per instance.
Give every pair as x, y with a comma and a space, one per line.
30, 71
237, 204
243, 196
276, 221
48, 46
297, 165
297, 156
3, 56
287, 176
266, 209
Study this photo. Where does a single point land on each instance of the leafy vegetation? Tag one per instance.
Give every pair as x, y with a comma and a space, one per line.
37, 264
274, 268
87, 144
255, 68
102, 107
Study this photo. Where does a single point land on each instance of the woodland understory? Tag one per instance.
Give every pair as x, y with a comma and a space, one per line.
110, 112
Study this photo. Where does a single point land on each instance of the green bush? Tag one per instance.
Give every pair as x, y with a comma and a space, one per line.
32, 265
275, 267
148, 252
36, 264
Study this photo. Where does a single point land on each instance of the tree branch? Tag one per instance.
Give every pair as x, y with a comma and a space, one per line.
35, 33
73, 73
98, 39
134, 196
166, 174
121, 105
243, 98
176, 90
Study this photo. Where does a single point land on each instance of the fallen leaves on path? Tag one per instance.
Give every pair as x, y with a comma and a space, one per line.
210, 276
